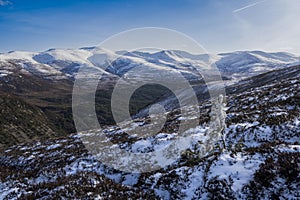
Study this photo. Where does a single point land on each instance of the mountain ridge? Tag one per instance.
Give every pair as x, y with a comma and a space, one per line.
64, 63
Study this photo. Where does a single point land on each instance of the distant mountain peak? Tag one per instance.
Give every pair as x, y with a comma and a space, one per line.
234, 64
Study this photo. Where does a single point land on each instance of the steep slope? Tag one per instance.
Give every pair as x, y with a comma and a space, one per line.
21, 122
50, 97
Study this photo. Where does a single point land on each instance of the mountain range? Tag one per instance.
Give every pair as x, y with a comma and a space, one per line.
42, 156
60, 64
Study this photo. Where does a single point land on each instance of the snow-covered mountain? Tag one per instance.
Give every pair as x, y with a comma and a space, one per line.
260, 161
65, 63
254, 62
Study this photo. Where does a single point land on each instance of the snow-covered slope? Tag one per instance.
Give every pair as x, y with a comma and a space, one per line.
63, 63
253, 62
261, 160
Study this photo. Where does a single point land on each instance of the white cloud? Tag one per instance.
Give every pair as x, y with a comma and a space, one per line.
5, 3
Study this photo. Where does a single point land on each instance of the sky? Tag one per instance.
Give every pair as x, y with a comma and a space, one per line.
218, 25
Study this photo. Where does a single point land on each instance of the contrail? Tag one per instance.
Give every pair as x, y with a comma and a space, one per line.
248, 6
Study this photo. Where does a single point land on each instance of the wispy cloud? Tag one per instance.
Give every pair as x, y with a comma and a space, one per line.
248, 6
5, 3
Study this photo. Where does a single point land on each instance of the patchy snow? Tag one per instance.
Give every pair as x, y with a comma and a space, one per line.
239, 168
4, 73
141, 146
54, 146
289, 148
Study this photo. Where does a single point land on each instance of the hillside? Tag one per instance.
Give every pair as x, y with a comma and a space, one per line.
44, 80
22, 122
261, 159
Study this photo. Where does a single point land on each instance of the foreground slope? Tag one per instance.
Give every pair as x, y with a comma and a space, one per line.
261, 160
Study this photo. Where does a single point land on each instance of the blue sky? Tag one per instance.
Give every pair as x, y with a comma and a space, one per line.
219, 25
